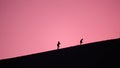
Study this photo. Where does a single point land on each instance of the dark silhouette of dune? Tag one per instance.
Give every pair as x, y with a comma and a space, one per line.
103, 54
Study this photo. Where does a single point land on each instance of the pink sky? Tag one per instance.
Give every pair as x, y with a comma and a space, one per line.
33, 26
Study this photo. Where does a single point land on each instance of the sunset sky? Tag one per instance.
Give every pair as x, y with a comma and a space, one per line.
33, 26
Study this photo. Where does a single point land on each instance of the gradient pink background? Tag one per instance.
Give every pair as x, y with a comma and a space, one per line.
32, 26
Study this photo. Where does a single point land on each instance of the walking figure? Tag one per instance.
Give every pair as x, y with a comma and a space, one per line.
81, 41
58, 45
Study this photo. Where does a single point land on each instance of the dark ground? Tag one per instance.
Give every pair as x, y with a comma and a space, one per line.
104, 54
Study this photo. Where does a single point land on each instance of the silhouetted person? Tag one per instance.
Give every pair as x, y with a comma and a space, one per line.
81, 41
58, 45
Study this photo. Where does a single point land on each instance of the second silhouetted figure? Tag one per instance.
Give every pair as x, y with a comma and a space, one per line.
58, 45
81, 41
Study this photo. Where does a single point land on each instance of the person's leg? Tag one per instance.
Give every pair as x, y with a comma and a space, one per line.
57, 47
80, 43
